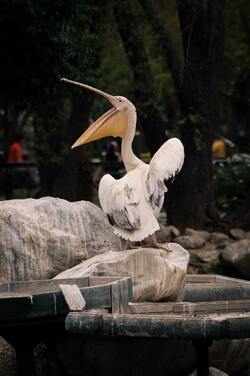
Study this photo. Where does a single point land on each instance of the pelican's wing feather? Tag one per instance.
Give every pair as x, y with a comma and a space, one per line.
164, 165
119, 201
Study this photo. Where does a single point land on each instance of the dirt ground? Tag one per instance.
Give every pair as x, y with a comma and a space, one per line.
7, 359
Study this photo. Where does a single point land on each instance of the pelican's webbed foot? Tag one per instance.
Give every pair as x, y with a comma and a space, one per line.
129, 245
152, 242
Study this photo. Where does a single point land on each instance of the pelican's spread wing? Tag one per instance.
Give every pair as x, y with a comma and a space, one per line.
164, 165
119, 201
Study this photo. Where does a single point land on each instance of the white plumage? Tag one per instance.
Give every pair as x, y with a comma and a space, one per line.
133, 202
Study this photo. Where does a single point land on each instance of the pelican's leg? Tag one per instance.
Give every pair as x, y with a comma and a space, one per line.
152, 242
128, 245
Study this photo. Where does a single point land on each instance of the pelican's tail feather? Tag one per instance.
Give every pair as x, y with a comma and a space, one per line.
137, 235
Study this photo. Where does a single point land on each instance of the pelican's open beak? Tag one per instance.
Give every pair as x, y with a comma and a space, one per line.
112, 123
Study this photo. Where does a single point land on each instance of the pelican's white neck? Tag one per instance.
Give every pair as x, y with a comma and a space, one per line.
129, 159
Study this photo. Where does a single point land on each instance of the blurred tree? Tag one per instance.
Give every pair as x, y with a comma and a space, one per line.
149, 115
42, 41
202, 26
169, 66
196, 78
237, 73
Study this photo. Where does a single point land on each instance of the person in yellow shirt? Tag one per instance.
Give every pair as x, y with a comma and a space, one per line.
219, 149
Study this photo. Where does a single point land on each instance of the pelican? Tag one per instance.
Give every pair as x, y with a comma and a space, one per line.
133, 202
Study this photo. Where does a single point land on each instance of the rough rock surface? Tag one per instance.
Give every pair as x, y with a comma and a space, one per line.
212, 372
167, 233
201, 233
156, 274
237, 256
190, 242
218, 237
7, 359
40, 238
237, 233
207, 255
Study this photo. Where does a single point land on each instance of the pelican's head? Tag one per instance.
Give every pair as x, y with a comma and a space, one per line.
113, 123
122, 103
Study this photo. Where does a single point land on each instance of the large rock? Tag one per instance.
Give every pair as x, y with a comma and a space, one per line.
166, 233
40, 238
219, 238
237, 257
237, 233
156, 274
212, 372
210, 255
190, 241
201, 233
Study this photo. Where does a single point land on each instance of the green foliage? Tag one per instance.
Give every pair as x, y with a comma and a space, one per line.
42, 41
235, 103
232, 183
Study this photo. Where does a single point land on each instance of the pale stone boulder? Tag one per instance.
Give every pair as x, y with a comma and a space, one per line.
237, 257
166, 233
156, 274
237, 233
41, 237
190, 241
212, 372
210, 255
201, 233
219, 238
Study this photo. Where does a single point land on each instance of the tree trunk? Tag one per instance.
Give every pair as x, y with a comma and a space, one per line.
191, 201
144, 91
203, 36
73, 181
154, 15
49, 125
64, 173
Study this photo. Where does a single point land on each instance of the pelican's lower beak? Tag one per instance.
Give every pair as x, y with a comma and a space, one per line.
113, 123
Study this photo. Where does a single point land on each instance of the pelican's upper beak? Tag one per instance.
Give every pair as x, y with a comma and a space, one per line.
112, 123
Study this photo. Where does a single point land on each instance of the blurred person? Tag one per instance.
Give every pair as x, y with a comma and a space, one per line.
112, 154
15, 153
19, 175
112, 159
219, 149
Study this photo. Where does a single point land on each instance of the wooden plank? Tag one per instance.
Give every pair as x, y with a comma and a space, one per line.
13, 294
3, 287
121, 294
214, 279
73, 297
150, 308
46, 285
115, 303
190, 308
223, 280
97, 296
12, 308
96, 280
159, 326
50, 304
200, 278
98, 311
212, 293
